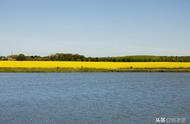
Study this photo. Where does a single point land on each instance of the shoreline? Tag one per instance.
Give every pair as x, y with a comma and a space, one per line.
43, 70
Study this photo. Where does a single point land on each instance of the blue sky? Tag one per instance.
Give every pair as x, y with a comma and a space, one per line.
95, 27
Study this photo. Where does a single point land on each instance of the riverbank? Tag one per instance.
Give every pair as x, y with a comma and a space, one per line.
91, 70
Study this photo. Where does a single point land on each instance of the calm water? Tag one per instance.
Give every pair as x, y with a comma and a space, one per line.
93, 98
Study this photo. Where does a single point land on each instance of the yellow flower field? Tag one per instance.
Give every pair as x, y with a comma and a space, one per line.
97, 65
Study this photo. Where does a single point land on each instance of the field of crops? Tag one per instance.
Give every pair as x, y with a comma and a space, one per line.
96, 65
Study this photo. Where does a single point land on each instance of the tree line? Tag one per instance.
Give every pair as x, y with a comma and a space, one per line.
78, 57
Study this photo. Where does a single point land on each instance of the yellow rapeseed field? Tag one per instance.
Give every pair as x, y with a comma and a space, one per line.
97, 65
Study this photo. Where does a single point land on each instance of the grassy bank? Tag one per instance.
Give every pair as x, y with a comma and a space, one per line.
89, 70
73, 66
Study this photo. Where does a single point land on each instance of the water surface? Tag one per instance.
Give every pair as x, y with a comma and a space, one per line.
93, 98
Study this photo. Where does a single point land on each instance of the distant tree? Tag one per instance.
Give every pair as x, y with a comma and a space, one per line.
21, 57
78, 57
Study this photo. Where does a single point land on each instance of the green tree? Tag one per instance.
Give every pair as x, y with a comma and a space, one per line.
21, 57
